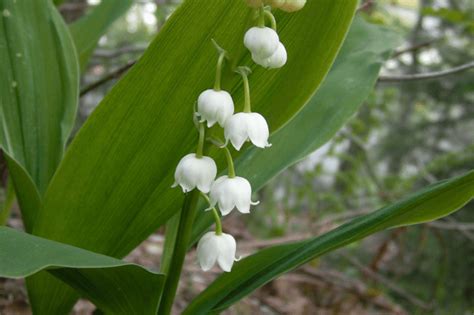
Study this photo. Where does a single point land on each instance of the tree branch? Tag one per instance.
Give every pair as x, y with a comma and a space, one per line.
426, 76
113, 75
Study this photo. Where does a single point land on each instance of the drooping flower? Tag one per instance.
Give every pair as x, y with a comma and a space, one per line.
261, 41
232, 192
193, 171
277, 60
214, 248
215, 106
243, 127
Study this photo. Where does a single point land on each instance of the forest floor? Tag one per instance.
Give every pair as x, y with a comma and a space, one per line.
315, 288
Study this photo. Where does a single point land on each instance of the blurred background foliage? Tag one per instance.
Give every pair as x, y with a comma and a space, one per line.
406, 135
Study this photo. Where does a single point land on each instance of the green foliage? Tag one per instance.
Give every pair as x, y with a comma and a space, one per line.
113, 187
38, 96
113, 285
252, 272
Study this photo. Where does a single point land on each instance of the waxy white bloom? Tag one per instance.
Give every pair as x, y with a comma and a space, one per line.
214, 248
277, 60
215, 106
193, 171
242, 127
232, 192
261, 41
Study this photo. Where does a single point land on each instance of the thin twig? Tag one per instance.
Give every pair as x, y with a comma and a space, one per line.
414, 47
426, 76
104, 53
386, 282
113, 75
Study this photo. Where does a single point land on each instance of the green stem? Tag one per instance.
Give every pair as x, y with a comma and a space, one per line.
220, 62
261, 16
217, 218
202, 134
244, 72
183, 237
230, 163
272, 19
6, 208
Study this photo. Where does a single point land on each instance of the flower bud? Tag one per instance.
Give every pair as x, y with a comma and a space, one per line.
277, 60
243, 127
231, 192
261, 41
214, 248
193, 171
215, 106
292, 5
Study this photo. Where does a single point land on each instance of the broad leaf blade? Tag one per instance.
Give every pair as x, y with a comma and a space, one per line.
252, 272
38, 94
115, 286
87, 31
113, 188
348, 84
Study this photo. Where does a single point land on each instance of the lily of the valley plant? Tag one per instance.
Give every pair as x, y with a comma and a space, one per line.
216, 127
230, 191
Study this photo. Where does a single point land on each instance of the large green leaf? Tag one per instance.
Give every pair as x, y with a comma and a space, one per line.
347, 85
433, 202
116, 287
87, 31
113, 187
38, 95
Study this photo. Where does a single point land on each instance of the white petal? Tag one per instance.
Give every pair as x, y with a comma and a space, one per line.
242, 194
278, 59
208, 251
227, 249
215, 106
207, 173
235, 129
261, 41
258, 130
193, 171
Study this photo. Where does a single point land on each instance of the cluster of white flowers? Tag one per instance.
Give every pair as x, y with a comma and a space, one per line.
216, 106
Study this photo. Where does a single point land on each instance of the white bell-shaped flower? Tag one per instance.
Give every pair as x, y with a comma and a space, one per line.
261, 41
215, 106
242, 127
277, 60
214, 248
193, 171
232, 192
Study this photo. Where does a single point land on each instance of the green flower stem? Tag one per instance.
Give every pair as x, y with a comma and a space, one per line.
272, 19
183, 237
244, 72
202, 134
220, 62
261, 16
217, 218
230, 163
